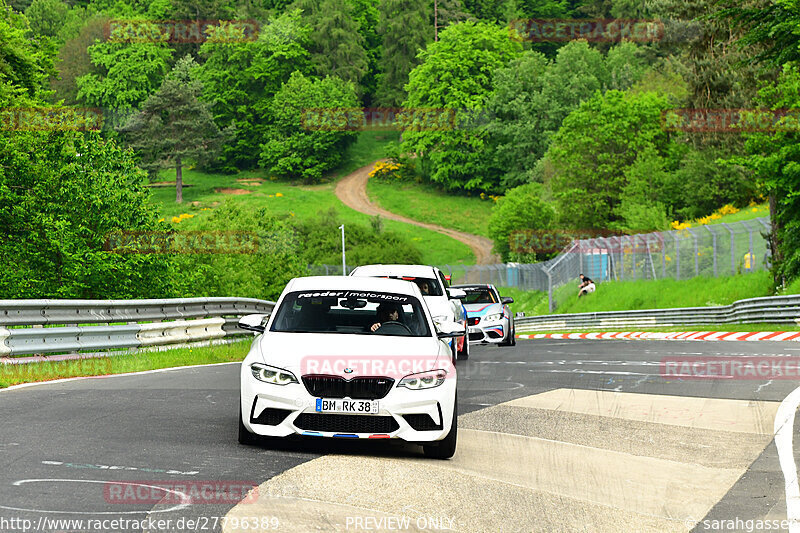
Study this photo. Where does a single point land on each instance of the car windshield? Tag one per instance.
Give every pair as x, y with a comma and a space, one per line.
427, 286
478, 295
345, 311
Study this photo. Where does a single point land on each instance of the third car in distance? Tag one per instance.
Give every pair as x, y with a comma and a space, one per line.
488, 317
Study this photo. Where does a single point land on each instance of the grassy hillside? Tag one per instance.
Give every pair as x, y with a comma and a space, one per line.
425, 202
658, 294
252, 189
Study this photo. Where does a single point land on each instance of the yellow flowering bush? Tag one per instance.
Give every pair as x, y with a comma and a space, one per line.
727, 210
180, 218
386, 169
677, 225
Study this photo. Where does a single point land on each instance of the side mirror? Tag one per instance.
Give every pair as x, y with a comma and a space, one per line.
457, 294
449, 330
507, 300
253, 322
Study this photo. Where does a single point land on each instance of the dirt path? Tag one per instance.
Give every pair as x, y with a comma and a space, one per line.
352, 191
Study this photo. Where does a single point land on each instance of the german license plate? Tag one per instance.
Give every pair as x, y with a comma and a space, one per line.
367, 407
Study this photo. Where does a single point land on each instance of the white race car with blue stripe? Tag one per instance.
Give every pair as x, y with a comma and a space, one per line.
489, 320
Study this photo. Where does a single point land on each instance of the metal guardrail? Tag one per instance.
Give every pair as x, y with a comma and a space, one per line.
769, 309
55, 326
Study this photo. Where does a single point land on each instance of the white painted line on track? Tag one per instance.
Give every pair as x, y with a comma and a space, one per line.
104, 376
184, 499
784, 428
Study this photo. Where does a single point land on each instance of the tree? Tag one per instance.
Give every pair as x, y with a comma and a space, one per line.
74, 60
174, 126
368, 18
522, 208
46, 16
130, 70
519, 130
270, 255
532, 96
454, 78
322, 242
774, 158
240, 79
594, 148
24, 64
337, 47
62, 195
291, 148
405, 29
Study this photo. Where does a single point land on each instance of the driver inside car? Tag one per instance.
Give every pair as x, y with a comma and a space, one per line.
387, 312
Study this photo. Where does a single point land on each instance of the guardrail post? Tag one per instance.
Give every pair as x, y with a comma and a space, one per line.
696, 251
752, 257
733, 247
714, 248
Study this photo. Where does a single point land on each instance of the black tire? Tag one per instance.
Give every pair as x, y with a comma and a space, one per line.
510, 339
245, 437
464, 354
445, 448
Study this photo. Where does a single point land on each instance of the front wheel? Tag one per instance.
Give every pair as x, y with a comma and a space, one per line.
445, 448
464, 354
245, 437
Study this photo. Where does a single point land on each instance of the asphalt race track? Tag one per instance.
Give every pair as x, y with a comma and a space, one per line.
554, 435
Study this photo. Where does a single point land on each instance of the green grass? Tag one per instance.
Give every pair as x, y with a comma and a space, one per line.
295, 201
703, 327
120, 364
792, 288
658, 294
746, 213
368, 148
426, 203
525, 301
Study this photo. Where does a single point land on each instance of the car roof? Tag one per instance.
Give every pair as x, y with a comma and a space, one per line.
425, 271
325, 283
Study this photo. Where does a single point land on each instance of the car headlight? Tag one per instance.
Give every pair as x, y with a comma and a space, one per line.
493, 318
270, 374
423, 380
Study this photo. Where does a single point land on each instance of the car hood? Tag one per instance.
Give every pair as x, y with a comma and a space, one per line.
483, 309
332, 353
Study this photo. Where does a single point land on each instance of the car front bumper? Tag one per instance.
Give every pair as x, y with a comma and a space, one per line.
284, 410
488, 332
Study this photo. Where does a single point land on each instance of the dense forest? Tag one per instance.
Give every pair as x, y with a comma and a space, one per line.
585, 130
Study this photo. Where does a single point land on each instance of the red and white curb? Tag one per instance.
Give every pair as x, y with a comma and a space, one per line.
675, 336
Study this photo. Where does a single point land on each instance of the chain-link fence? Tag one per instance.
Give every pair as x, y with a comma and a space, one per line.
709, 250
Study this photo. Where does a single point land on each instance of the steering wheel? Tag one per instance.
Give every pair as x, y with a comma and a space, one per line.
391, 323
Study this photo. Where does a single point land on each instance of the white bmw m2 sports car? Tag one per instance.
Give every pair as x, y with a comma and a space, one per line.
350, 357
